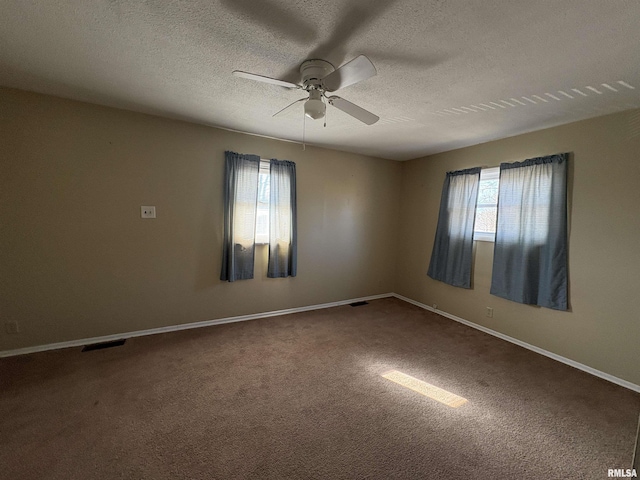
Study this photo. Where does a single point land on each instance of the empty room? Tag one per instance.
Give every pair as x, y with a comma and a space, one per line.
342, 239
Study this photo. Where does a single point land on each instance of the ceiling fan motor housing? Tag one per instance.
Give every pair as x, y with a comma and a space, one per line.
313, 71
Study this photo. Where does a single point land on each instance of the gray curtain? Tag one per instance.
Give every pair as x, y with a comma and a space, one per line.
452, 252
530, 252
283, 243
240, 205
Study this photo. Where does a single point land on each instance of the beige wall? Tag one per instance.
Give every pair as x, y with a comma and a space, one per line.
603, 328
78, 261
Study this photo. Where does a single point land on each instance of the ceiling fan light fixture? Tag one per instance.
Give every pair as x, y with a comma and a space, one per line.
314, 107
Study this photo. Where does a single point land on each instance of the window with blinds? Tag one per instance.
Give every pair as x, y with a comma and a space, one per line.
487, 205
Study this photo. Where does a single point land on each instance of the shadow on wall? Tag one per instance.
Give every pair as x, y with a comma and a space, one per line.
210, 243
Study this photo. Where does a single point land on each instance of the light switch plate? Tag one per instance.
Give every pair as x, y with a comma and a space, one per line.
148, 211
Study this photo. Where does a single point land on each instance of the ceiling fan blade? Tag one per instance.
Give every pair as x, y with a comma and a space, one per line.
262, 78
289, 106
354, 110
354, 71
273, 18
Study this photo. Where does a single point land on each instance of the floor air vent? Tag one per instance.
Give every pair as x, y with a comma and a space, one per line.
358, 304
100, 346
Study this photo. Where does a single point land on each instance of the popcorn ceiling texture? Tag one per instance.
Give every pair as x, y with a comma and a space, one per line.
175, 58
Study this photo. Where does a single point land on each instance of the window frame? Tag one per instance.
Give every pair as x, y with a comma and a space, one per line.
263, 238
487, 173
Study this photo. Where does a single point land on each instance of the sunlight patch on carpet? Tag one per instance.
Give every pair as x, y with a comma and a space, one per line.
426, 389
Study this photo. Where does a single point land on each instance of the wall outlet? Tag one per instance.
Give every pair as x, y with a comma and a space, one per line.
11, 327
490, 312
148, 211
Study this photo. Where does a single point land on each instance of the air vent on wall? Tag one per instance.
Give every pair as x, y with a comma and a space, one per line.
358, 304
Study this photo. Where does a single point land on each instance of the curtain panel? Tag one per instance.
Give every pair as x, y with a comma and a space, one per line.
452, 252
530, 251
283, 242
240, 207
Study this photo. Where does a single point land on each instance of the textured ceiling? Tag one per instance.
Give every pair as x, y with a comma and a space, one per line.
450, 73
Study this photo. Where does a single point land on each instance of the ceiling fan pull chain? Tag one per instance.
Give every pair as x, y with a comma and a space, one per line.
326, 114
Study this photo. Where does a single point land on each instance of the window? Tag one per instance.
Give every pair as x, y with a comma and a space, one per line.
259, 206
262, 214
487, 205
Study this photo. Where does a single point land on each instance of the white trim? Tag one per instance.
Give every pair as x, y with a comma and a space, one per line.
241, 318
185, 326
554, 356
484, 237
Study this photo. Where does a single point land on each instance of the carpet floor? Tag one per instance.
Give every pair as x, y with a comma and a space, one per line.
301, 396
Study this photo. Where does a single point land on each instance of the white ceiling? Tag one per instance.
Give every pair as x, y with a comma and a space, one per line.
450, 73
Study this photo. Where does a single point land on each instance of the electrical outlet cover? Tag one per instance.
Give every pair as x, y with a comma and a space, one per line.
147, 211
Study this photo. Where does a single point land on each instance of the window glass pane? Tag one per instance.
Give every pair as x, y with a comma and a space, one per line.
262, 215
263, 187
488, 192
262, 221
486, 219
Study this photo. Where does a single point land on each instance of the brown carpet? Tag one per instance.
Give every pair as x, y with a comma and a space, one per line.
301, 396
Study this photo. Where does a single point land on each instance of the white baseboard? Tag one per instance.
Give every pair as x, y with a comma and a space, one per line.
255, 316
559, 358
186, 326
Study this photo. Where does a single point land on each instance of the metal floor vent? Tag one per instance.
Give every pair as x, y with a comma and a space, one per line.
100, 346
358, 304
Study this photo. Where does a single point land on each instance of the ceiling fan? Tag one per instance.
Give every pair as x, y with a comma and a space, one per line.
320, 77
